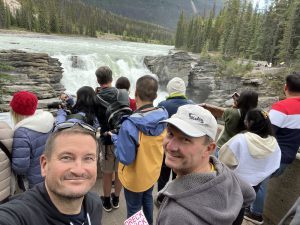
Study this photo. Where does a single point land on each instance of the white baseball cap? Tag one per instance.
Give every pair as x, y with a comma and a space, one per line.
194, 121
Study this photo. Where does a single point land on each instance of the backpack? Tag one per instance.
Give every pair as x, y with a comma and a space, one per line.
77, 116
116, 110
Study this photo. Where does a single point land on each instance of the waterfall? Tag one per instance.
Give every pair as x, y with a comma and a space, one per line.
81, 56
79, 70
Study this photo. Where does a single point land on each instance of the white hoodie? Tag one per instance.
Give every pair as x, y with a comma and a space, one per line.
252, 157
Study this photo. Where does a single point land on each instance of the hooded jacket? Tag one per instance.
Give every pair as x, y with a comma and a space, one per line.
139, 149
29, 141
172, 103
252, 157
108, 94
34, 207
205, 198
6, 135
231, 117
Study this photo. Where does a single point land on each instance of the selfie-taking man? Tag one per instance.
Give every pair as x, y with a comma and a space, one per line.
70, 170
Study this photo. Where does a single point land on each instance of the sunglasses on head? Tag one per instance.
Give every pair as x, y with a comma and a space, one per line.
67, 125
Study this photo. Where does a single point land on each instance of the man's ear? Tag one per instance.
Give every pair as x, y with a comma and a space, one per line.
135, 94
43, 163
211, 147
285, 89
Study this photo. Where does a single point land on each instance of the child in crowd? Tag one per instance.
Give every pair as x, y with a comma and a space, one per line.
124, 83
31, 131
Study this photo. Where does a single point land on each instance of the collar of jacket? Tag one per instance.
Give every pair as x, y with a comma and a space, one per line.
176, 95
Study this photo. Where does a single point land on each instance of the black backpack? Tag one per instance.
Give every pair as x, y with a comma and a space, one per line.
116, 110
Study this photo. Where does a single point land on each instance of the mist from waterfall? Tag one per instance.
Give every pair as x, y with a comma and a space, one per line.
81, 56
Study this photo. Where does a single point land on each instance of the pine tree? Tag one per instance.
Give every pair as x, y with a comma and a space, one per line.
287, 44
3, 16
43, 21
190, 37
297, 53
245, 34
180, 31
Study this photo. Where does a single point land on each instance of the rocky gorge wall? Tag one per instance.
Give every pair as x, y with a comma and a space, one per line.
35, 72
205, 84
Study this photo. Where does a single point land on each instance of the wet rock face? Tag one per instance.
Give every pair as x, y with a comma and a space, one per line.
35, 72
204, 84
170, 66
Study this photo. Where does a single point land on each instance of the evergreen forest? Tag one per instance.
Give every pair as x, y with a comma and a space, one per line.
75, 17
241, 30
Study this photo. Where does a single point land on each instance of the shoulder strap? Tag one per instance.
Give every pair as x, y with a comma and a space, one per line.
5, 150
124, 108
77, 116
103, 102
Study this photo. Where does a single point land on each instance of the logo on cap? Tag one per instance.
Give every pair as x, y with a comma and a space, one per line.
196, 118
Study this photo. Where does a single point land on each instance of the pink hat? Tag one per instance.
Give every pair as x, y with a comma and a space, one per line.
24, 103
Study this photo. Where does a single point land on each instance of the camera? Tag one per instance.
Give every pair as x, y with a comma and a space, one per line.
235, 96
57, 105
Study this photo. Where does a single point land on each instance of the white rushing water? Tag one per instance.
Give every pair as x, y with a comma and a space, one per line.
124, 58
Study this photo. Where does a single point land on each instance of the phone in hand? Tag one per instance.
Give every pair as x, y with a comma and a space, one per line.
235, 96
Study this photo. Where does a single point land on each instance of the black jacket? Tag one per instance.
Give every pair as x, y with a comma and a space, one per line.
34, 207
108, 94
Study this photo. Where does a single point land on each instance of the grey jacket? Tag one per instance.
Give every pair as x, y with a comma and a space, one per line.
211, 198
6, 137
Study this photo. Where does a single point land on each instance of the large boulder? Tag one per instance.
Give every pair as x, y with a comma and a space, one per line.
35, 72
176, 64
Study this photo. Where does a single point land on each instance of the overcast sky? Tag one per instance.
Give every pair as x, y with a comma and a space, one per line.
261, 3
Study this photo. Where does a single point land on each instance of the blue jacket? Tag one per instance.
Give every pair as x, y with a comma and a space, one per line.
173, 102
29, 141
127, 141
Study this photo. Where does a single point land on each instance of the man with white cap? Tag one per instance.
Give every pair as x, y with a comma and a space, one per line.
204, 191
176, 89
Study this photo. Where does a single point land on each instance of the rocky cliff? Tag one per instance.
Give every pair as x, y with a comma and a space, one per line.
35, 72
205, 84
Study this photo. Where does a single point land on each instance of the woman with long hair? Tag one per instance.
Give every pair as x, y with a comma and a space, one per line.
83, 110
234, 117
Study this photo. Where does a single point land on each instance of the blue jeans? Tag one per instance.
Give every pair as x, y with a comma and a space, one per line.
136, 200
257, 206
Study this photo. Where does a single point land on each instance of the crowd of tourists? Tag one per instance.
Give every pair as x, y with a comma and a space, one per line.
48, 165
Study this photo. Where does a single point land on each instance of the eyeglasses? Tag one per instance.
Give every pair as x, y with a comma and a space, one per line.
67, 125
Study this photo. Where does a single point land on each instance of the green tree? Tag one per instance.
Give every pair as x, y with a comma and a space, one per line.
289, 41
180, 31
3, 16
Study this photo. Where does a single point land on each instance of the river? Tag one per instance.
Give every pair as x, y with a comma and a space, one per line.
124, 58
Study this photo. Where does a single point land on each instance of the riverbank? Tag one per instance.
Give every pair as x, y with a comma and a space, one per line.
101, 36
36, 34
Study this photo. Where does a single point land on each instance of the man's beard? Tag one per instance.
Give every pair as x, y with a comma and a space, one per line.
67, 196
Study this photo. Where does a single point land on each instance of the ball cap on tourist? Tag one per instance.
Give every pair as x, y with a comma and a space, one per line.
176, 85
24, 103
194, 121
